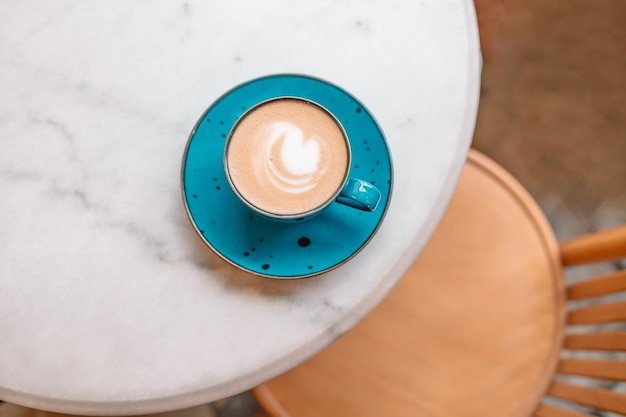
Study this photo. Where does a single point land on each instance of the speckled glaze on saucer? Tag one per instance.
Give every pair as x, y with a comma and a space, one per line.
268, 247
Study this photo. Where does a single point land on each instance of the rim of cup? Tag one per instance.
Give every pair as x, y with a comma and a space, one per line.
296, 216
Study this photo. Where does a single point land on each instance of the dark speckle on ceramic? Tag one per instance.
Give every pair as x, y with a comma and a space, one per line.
304, 242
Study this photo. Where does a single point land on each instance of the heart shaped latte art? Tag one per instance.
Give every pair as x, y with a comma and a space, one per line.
291, 160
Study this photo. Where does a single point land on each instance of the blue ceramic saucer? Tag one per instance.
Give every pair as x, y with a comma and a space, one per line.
267, 247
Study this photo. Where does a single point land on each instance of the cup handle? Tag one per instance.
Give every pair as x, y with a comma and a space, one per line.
360, 195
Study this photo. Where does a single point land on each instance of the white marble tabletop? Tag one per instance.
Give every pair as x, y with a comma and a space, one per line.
109, 302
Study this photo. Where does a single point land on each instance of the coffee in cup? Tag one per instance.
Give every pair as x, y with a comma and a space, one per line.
287, 157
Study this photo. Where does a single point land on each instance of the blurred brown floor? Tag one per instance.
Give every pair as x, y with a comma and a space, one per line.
553, 104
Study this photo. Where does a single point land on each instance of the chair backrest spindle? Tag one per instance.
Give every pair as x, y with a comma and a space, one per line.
549, 410
601, 246
607, 341
597, 314
598, 398
597, 287
593, 368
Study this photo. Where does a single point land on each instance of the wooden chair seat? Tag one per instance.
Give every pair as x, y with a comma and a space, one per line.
475, 328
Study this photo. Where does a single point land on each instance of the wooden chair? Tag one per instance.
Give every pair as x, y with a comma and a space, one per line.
479, 326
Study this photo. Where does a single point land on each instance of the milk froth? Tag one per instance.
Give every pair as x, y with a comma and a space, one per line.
287, 157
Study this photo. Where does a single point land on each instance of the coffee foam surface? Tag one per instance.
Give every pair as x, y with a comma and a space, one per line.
287, 157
